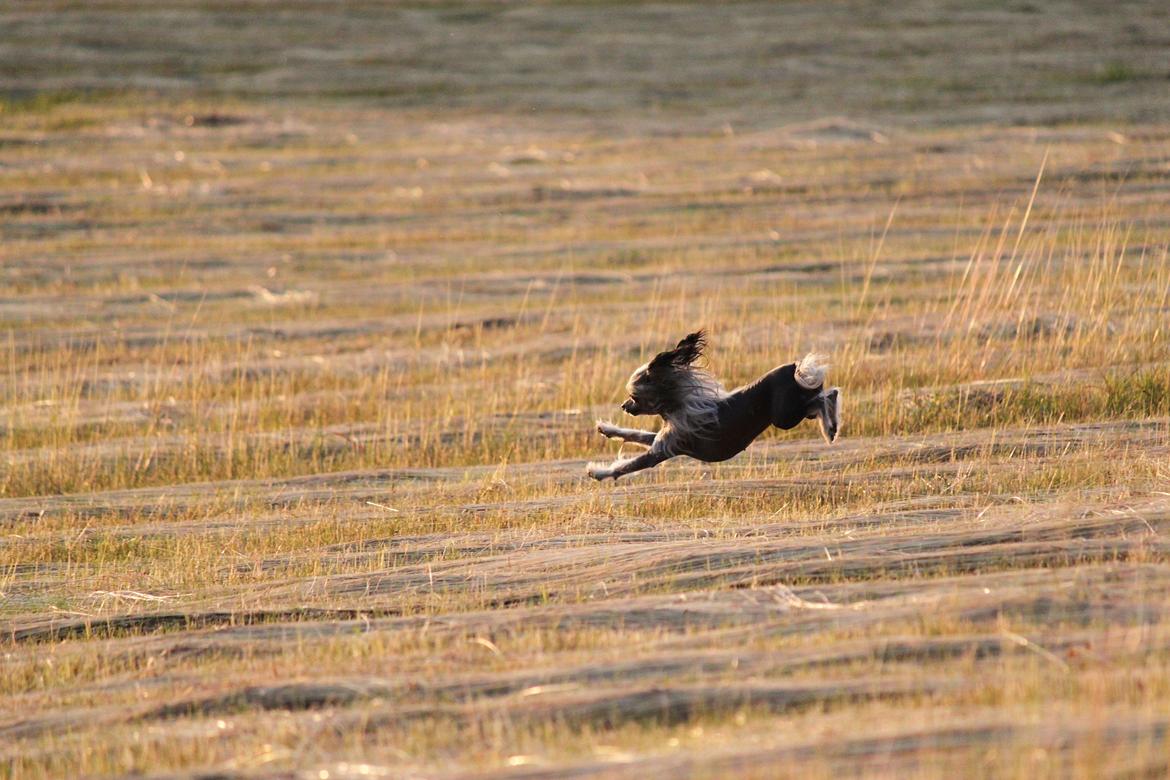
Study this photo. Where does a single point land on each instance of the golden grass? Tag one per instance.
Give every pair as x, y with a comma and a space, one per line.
298, 382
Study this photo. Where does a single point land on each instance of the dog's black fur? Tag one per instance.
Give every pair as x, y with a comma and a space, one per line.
705, 422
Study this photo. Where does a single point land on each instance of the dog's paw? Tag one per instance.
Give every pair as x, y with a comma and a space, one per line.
599, 471
605, 429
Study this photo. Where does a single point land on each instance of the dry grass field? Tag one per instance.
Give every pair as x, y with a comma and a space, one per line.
307, 311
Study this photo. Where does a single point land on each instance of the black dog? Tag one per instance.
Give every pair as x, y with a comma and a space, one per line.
704, 421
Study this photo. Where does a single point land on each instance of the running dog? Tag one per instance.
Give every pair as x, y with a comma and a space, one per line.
702, 420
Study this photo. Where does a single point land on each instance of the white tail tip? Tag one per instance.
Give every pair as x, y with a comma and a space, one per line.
810, 371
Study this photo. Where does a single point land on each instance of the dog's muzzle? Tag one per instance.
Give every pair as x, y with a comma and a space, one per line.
629, 407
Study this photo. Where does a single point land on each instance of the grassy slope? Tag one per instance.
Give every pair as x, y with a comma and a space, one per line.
304, 341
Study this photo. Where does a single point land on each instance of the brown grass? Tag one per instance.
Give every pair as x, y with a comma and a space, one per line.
303, 345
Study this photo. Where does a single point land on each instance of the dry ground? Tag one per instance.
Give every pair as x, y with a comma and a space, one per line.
308, 312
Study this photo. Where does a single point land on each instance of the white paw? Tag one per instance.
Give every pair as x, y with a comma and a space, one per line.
599, 471
605, 429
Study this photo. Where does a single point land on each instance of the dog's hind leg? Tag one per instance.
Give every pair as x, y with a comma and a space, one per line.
645, 438
620, 468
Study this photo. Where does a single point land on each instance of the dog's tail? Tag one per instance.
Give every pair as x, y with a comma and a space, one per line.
810, 371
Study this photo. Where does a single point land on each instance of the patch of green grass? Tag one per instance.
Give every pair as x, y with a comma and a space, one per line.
46, 101
1117, 72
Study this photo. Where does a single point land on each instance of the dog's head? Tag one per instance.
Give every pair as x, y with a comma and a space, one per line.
655, 388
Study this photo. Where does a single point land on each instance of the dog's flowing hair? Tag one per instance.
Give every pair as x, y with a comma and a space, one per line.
690, 394
705, 421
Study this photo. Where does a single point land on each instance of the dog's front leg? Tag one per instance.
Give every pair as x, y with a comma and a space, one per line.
619, 468
645, 438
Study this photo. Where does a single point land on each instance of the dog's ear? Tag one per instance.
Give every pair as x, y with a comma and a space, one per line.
685, 352
690, 348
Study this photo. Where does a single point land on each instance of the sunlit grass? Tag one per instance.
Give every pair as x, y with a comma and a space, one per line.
298, 394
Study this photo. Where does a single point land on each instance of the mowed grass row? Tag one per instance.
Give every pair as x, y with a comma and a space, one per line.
1023, 647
